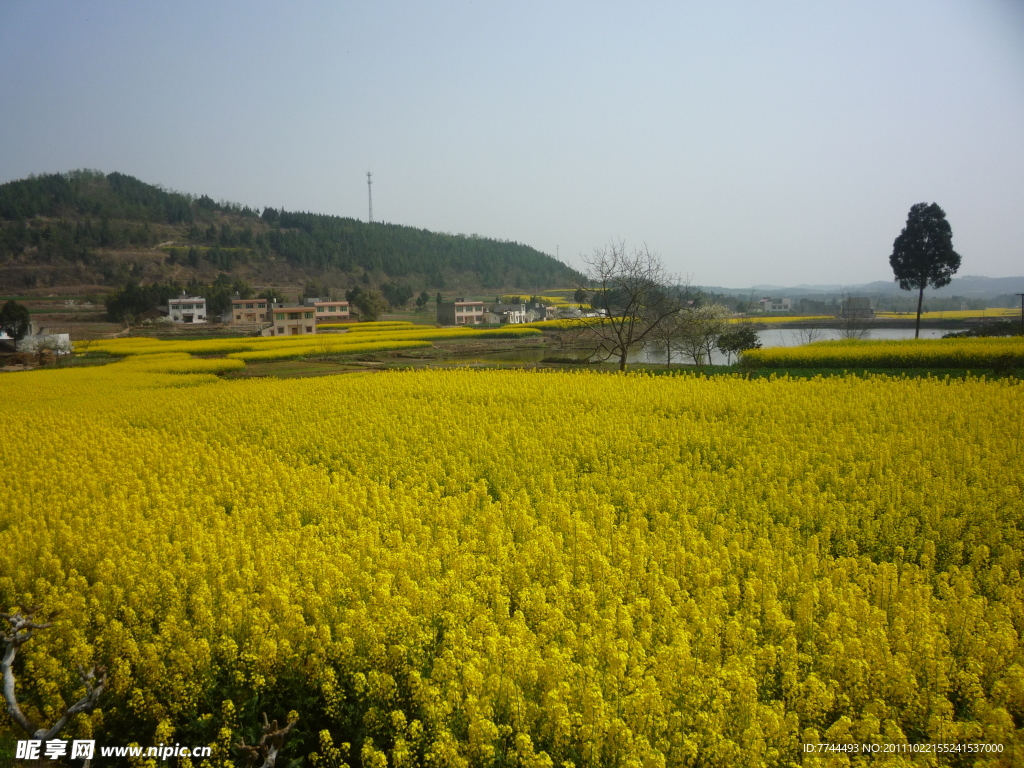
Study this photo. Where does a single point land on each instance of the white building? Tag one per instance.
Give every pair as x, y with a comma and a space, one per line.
510, 313
460, 312
187, 309
775, 305
39, 339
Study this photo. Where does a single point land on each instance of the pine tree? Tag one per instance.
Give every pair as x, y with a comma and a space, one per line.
923, 253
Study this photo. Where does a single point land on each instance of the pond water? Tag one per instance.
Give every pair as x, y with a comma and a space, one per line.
771, 337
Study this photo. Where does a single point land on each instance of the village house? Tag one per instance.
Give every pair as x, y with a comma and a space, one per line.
330, 311
187, 309
295, 320
460, 312
510, 313
246, 311
776, 305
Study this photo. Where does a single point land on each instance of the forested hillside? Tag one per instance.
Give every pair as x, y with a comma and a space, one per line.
87, 228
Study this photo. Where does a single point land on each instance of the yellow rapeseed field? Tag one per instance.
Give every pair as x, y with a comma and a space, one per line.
477, 568
955, 314
376, 339
775, 319
984, 352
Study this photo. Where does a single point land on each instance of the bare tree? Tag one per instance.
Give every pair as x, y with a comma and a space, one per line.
268, 746
854, 319
324, 347
635, 294
700, 328
22, 629
809, 335
666, 337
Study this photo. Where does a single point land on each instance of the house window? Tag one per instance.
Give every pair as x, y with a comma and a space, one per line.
280, 329
238, 317
319, 309
279, 317
309, 329
332, 308
263, 305
309, 315
249, 306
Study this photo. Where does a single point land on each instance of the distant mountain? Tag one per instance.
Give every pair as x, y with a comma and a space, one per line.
85, 227
968, 286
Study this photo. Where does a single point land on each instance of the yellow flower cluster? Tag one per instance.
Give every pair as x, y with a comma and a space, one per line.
771, 319
473, 568
326, 346
376, 325
279, 347
565, 323
995, 312
177, 362
383, 325
902, 353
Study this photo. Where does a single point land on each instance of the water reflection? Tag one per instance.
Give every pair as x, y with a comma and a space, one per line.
771, 337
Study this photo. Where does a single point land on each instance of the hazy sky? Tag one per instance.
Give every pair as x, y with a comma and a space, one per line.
746, 142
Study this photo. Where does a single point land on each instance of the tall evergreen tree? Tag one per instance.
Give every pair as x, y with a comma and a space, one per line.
923, 253
14, 319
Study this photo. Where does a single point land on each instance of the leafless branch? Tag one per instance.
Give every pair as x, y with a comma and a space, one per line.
635, 295
854, 322
22, 628
268, 746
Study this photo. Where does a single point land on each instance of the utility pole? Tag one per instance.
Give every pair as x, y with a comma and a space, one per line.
369, 190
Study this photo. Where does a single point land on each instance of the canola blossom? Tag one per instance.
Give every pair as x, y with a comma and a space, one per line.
476, 568
902, 353
368, 326
773, 319
994, 312
340, 343
382, 325
177, 362
565, 323
286, 352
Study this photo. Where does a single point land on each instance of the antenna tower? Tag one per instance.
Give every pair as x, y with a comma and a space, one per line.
369, 191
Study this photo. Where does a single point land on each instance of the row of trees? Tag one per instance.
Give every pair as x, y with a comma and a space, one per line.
87, 193
133, 299
332, 242
72, 240
116, 211
644, 306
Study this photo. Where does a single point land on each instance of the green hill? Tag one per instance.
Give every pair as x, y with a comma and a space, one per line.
86, 228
